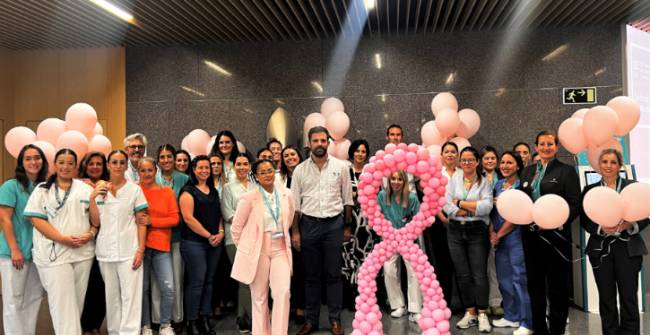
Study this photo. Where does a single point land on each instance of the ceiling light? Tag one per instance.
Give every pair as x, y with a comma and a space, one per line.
558, 51
117, 11
600, 71
369, 4
193, 91
501, 91
217, 68
378, 61
450, 78
317, 86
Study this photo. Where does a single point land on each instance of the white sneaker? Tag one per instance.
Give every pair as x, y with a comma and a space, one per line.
522, 331
503, 323
398, 313
414, 317
166, 330
146, 330
467, 321
484, 323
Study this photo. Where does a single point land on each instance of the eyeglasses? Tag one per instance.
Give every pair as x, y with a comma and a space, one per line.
136, 147
467, 161
266, 172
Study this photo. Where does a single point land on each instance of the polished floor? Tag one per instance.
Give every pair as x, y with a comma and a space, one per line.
580, 323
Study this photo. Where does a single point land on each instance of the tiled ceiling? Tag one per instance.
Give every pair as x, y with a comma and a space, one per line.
29, 24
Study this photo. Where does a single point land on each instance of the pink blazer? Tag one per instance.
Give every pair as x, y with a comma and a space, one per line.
248, 231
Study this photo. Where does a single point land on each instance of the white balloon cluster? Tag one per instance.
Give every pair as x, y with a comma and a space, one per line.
449, 124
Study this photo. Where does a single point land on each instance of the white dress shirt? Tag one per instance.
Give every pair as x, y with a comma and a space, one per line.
322, 193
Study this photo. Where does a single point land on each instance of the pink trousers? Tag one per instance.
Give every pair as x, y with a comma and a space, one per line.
273, 271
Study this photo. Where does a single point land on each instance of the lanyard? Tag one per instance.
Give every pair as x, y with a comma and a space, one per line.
274, 214
619, 183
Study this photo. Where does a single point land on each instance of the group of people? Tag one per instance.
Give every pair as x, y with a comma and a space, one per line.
154, 241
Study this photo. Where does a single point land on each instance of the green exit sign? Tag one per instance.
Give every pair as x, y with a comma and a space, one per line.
579, 95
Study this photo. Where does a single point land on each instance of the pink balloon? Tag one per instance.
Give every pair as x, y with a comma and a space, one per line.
18, 137
550, 211
571, 135
411, 158
331, 105
442, 101
469, 124
100, 143
604, 206
399, 155
430, 134
438, 315
338, 124
342, 147
390, 147
82, 117
197, 140
434, 150
599, 125
515, 206
461, 143
413, 147
184, 144
241, 147
580, 113
74, 140
313, 120
593, 152
99, 130
636, 200
50, 129
628, 112
447, 122
48, 150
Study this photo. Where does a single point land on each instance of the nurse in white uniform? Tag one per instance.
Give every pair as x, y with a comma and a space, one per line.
63, 241
120, 207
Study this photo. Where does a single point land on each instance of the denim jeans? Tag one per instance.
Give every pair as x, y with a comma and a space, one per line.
469, 244
201, 260
159, 264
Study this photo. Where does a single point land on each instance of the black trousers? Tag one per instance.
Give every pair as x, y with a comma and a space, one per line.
94, 310
469, 245
321, 241
297, 281
437, 249
545, 268
618, 273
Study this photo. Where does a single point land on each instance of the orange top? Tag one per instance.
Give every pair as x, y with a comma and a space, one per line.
163, 211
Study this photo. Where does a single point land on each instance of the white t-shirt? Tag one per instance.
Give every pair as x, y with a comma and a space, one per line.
72, 218
117, 240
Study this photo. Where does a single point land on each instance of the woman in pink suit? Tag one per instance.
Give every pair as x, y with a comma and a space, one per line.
260, 230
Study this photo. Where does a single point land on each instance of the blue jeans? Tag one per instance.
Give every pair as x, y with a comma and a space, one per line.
201, 260
161, 264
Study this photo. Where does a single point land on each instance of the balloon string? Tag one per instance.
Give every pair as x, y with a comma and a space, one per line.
607, 248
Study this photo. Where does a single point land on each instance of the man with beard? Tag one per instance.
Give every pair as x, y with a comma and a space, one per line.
321, 188
135, 146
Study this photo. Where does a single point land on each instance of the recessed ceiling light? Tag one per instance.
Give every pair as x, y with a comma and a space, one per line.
113, 9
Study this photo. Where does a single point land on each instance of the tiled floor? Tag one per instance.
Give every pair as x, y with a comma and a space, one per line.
581, 323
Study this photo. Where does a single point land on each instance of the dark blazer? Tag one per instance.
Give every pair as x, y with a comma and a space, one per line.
560, 179
635, 245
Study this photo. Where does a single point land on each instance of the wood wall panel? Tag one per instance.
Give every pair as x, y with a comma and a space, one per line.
46, 82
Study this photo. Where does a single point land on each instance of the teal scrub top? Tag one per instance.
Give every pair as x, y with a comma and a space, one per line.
395, 213
12, 194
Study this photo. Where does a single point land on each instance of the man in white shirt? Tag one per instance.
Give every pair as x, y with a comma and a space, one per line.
322, 189
135, 146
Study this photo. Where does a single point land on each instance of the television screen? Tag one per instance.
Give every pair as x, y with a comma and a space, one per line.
593, 177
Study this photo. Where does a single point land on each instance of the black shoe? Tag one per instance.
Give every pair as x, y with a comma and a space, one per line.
205, 326
192, 328
243, 325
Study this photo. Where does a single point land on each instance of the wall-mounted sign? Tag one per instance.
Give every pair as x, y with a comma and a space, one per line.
579, 95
